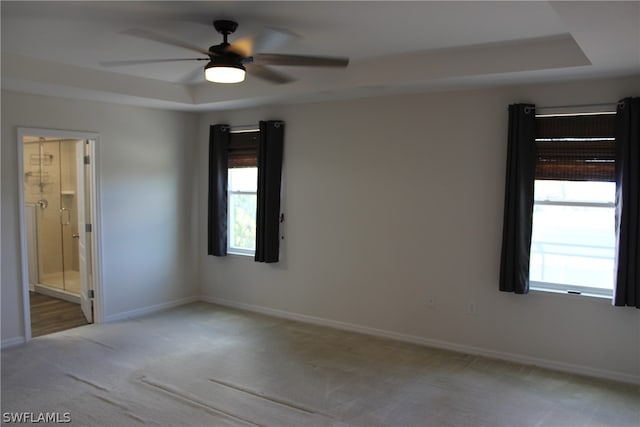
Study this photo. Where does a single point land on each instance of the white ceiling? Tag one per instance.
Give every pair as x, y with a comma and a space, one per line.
55, 48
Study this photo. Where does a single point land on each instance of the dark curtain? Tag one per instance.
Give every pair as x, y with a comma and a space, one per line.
518, 204
218, 164
627, 288
270, 152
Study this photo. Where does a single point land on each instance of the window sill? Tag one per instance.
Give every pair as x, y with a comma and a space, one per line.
539, 287
242, 255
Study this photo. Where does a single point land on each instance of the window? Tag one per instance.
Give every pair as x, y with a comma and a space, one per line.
242, 189
573, 237
245, 180
242, 197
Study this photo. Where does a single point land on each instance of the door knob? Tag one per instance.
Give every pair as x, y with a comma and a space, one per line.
75, 236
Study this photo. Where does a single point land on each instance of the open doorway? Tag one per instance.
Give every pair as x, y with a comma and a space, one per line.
58, 219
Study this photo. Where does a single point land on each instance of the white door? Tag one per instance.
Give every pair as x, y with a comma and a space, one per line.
83, 214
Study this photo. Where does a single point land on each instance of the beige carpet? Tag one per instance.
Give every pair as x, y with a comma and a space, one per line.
204, 365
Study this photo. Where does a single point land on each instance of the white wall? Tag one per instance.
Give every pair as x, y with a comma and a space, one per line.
147, 198
393, 201
358, 258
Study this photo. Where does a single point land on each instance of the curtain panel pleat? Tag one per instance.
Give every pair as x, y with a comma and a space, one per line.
627, 287
518, 205
270, 151
217, 206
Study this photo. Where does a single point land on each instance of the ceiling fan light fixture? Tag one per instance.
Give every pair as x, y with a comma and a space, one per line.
224, 72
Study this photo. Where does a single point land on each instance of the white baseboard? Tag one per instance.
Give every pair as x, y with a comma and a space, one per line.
445, 345
150, 309
12, 342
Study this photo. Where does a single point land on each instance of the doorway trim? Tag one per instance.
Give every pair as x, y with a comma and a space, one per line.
96, 240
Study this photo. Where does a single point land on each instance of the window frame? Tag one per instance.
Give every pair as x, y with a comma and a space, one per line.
564, 288
233, 250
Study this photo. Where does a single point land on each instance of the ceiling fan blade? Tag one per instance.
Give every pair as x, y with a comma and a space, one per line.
268, 74
273, 38
148, 35
268, 39
109, 64
299, 60
242, 46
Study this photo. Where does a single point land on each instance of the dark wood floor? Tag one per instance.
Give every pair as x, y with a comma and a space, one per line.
49, 315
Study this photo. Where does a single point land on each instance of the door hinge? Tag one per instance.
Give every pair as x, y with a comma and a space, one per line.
87, 160
87, 228
90, 294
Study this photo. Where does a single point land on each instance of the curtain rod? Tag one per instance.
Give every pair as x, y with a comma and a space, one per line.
556, 107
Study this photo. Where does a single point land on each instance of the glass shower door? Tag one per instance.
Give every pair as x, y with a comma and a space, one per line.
69, 216
50, 192
50, 251
43, 189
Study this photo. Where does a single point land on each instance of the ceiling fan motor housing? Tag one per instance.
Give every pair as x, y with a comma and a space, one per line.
224, 56
225, 27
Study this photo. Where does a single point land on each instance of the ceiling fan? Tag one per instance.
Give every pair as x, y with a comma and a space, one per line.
228, 62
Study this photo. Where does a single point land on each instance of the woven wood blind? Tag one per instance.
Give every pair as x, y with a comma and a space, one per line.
243, 149
576, 148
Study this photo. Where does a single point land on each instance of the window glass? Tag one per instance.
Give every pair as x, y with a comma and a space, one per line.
573, 239
575, 191
243, 179
242, 210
